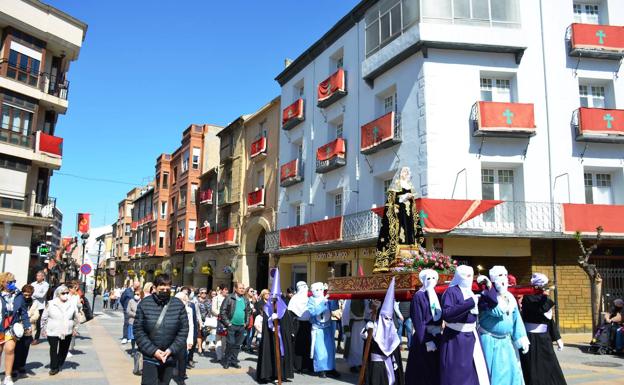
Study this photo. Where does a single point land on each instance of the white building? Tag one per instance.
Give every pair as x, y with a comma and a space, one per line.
484, 97
38, 44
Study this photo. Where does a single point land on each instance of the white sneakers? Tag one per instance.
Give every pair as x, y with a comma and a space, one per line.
124, 341
69, 354
8, 381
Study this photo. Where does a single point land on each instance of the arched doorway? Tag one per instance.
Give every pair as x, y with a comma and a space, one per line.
262, 263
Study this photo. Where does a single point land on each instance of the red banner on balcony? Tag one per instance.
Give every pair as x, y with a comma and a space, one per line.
51, 145
331, 149
294, 111
444, 215
179, 243
255, 198
331, 85
321, 231
201, 233
377, 131
289, 170
131, 251
258, 147
84, 223
601, 121
225, 236
152, 250
497, 116
586, 218
205, 196
599, 37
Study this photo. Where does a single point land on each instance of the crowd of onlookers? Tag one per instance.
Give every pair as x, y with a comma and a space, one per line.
39, 310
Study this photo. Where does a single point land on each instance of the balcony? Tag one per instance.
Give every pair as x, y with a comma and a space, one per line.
152, 250
35, 84
205, 197
201, 233
28, 210
598, 125
134, 225
255, 199
226, 237
224, 196
179, 244
509, 120
595, 41
331, 156
507, 219
258, 149
293, 115
381, 133
41, 148
290, 173
332, 89
131, 252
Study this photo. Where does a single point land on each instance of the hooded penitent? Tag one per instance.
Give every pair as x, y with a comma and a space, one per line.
539, 280
386, 335
276, 304
429, 279
299, 302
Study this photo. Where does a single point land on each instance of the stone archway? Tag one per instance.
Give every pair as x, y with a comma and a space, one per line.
255, 261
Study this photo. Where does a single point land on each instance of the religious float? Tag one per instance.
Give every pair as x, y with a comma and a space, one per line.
400, 252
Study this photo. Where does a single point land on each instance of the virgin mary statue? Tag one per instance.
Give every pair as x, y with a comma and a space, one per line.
400, 224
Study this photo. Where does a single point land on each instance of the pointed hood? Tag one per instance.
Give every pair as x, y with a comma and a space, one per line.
386, 335
276, 297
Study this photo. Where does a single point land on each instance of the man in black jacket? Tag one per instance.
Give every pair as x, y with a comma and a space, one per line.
160, 344
234, 315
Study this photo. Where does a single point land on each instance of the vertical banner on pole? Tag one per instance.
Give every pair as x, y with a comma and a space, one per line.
83, 222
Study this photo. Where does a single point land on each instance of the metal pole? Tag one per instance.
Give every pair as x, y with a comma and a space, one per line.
84, 277
97, 271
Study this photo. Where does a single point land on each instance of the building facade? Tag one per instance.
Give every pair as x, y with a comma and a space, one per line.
259, 188
517, 103
122, 231
38, 44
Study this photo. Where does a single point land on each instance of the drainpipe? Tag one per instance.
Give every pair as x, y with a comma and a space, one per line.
550, 180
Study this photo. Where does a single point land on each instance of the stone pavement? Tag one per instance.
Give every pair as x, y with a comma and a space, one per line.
101, 360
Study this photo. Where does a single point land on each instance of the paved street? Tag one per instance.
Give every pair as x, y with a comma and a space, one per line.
102, 360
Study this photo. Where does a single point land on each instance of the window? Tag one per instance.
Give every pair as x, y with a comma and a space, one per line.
191, 230
174, 207
12, 163
390, 103
387, 20
11, 203
127, 229
174, 176
339, 62
16, 125
339, 130
194, 188
298, 214
338, 204
301, 90
495, 90
163, 210
300, 152
196, 157
592, 96
496, 184
490, 13
261, 130
23, 68
181, 228
165, 182
260, 179
183, 196
586, 13
185, 161
386, 186
598, 188
158, 180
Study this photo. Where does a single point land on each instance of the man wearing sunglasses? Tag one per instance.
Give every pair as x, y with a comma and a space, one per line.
160, 329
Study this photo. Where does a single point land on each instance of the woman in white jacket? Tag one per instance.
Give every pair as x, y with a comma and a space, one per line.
59, 323
182, 356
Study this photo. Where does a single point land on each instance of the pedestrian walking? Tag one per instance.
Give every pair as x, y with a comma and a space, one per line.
105, 299
204, 305
160, 329
127, 294
183, 357
234, 316
41, 288
250, 294
23, 344
15, 321
131, 312
60, 324
220, 340
76, 300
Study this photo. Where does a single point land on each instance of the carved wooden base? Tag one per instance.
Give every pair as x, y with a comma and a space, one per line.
376, 285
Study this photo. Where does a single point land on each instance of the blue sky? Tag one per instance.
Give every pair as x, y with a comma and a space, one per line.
149, 68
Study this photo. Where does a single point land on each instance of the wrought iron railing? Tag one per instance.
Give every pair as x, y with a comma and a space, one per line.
360, 226
271, 241
516, 218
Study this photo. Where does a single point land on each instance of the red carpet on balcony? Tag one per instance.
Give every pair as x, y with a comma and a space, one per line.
321, 231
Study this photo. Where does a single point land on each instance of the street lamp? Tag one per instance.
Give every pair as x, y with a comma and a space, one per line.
7, 232
84, 237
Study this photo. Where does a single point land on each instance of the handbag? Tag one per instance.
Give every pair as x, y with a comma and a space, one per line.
221, 329
82, 318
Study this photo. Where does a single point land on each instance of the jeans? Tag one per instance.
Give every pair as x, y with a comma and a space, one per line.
39, 325
249, 337
235, 337
619, 339
154, 374
58, 351
21, 352
125, 325
409, 330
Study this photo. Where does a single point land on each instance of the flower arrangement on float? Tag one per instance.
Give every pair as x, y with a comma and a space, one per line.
415, 260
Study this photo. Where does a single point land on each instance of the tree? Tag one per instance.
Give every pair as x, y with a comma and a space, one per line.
595, 279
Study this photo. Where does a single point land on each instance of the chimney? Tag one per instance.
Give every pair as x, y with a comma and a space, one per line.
287, 62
